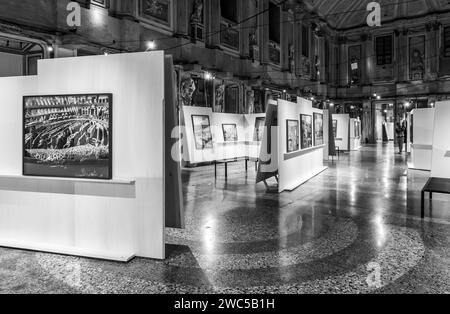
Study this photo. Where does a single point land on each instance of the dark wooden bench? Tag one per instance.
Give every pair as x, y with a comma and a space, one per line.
227, 161
434, 185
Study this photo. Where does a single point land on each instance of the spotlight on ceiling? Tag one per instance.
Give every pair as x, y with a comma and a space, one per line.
378, 97
50, 49
208, 76
151, 45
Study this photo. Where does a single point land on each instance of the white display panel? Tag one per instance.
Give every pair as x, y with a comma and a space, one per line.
342, 139
326, 134
355, 139
245, 146
232, 147
114, 219
253, 147
408, 133
390, 130
440, 165
422, 146
191, 153
295, 168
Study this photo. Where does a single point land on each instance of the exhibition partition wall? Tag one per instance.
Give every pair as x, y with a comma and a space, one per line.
198, 145
229, 135
409, 133
211, 136
254, 124
107, 122
326, 134
422, 138
355, 134
341, 126
440, 166
174, 207
300, 143
268, 156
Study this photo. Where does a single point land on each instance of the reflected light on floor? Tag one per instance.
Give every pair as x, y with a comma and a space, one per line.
208, 234
380, 229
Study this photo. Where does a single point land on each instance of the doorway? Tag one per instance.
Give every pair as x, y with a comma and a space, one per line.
19, 57
384, 122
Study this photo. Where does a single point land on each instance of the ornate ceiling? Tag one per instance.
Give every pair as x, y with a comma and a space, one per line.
345, 14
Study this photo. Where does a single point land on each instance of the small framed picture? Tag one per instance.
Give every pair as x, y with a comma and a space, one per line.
306, 131
230, 132
292, 136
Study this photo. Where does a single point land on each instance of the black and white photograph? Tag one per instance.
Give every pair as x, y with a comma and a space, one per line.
219, 155
306, 131
202, 132
318, 129
258, 133
68, 136
230, 133
292, 136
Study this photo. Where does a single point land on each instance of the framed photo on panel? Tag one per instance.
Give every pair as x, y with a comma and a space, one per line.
68, 136
306, 132
335, 125
202, 132
318, 129
259, 129
292, 136
230, 132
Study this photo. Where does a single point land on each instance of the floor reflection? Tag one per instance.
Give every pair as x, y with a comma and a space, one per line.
327, 236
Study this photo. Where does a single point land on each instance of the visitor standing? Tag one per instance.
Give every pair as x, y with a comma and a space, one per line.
400, 133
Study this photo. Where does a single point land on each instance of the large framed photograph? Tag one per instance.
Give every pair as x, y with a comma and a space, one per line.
258, 133
335, 125
306, 131
202, 132
318, 129
292, 136
230, 133
68, 136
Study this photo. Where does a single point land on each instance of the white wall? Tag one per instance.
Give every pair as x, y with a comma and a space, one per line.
298, 167
253, 147
342, 137
229, 150
421, 149
109, 219
408, 133
355, 142
190, 152
440, 165
244, 147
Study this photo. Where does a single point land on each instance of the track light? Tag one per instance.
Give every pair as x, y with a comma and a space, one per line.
151, 45
209, 76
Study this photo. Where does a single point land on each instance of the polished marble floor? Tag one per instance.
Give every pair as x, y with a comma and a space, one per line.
355, 228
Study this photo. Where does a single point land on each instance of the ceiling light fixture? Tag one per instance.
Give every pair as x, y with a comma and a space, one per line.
151, 45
